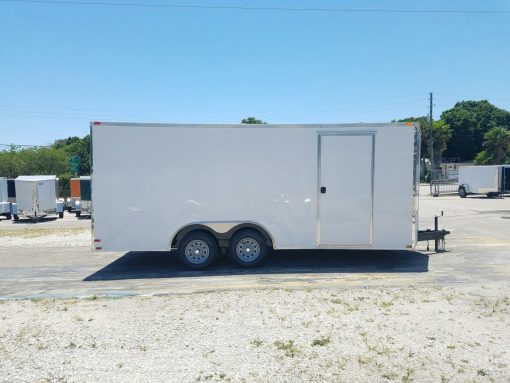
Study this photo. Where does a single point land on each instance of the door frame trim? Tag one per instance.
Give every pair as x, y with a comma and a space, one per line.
371, 133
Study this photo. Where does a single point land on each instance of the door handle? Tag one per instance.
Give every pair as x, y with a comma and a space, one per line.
323, 189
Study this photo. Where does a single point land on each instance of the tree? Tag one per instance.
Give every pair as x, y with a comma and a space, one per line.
469, 121
252, 120
441, 132
496, 147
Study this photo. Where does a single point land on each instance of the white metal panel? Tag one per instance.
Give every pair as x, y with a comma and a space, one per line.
480, 179
346, 171
163, 177
46, 194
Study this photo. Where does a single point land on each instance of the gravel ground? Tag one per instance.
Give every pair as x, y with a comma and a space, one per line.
53, 237
448, 334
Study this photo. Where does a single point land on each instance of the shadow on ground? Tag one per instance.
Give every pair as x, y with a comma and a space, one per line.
140, 265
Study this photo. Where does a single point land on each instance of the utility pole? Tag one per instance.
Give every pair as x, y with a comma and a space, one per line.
431, 145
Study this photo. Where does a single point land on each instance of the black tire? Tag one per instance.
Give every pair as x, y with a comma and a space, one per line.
78, 214
248, 248
8, 216
462, 192
201, 243
15, 217
61, 215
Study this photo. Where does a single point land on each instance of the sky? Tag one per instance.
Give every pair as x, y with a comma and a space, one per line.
64, 65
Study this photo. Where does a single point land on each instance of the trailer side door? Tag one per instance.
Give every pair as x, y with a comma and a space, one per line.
346, 179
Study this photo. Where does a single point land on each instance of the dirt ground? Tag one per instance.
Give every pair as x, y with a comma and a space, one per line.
69, 315
410, 334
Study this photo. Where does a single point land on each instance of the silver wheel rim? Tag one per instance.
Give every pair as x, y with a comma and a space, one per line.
197, 252
248, 249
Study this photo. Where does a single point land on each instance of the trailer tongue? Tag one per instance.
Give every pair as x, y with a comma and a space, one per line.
436, 235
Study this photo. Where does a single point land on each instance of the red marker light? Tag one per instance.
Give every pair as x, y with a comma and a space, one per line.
96, 123
99, 248
97, 240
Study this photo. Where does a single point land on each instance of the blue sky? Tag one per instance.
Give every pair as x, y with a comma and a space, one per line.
62, 66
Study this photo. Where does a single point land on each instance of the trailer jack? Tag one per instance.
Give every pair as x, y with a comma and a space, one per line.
436, 235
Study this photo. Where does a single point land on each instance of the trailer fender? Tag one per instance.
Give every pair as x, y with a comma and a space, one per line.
60, 206
222, 231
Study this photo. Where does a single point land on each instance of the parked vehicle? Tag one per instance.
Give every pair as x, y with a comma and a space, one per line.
253, 188
74, 186
36, 197
84, 204
5, 204
491, 180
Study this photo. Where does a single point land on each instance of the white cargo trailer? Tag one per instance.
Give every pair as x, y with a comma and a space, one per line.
36, 197
490, 180
252, 188
5, 204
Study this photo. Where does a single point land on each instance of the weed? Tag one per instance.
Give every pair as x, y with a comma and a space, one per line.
408, 376
143, 348
323, 341
288, 347
481, 372
71, 345
257, 342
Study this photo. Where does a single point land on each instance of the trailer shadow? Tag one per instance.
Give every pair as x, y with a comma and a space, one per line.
141, 265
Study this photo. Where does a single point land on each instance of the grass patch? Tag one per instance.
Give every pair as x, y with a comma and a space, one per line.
288, 347
324, 341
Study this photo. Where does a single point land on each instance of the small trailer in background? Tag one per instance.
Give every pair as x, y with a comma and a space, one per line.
5, 204
491, 180
74, 186
84, 204
36, 197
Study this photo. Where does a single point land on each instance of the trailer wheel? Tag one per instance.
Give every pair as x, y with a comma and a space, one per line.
8, 216
15, 217
61, 215
198, 250
248, 248
462, 192
78, 214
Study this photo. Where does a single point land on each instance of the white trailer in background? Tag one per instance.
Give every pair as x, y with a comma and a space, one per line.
5, 204
37, 197
252, 188
491, 180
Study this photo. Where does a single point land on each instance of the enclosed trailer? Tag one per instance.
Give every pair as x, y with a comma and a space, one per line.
5, 204
84, 204
36, 197
252, 188
74, 186
490, 180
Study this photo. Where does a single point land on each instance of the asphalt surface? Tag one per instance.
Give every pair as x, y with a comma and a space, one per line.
477, 253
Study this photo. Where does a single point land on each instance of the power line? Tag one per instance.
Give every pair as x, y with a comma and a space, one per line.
255, 8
